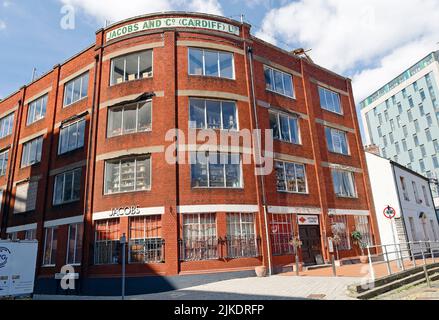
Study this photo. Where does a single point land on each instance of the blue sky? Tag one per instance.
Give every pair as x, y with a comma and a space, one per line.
370, 41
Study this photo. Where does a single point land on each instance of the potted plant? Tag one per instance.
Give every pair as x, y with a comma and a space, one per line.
261, 271
358, 240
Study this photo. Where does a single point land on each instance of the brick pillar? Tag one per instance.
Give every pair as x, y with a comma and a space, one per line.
170, 220
325, 223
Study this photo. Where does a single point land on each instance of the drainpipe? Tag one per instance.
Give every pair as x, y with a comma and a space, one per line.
264, 200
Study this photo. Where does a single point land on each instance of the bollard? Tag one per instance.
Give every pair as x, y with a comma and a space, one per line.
334, 269
426, 276
402, 258
389, 269
297, 265
372, 271
412, 255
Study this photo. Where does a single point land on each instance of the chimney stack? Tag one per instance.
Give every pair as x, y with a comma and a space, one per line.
373, 148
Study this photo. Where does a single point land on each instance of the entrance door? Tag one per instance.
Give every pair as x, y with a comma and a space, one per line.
311, 245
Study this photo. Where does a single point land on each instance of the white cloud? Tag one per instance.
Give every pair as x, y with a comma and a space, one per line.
7, 4
347, 36
2, 25
115, 10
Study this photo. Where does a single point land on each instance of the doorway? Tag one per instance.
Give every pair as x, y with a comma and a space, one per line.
311, 244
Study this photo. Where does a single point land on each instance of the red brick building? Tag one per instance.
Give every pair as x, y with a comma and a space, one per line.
83, 155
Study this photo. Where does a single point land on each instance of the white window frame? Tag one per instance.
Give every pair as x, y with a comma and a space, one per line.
32, 110
75, 250
295, 174
125, 66
53, 230
66, 127
138, 106
120, 160
283, 82
279, 133
55, 185
241, 176
6, 125
39, 145
328, 91
335, 132
4, 158
352, 181
221, 115
74, 82
218, 52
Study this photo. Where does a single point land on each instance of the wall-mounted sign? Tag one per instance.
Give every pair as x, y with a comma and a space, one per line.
308, 220
125, 211
389, 212
174, 22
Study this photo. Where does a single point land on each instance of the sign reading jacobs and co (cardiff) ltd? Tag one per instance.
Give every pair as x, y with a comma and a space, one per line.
174, 22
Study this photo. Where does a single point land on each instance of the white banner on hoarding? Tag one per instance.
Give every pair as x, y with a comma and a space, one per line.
17, 267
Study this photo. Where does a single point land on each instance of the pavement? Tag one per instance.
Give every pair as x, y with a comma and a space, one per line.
270, 288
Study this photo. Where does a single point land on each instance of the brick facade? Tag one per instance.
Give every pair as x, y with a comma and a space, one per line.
171, 183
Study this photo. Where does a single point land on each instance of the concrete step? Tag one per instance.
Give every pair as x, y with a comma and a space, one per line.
320, 266
359, 288
410, 279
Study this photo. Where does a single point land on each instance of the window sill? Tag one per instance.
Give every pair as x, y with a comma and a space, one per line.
340, 154
217, 188
333, 112
281, 94
35, 122
211, 77
68, 153
30, 165
76, 102
351, 198
126, 192
130, 81
48, 266
129, 134
296, 193
291, 143
57, 205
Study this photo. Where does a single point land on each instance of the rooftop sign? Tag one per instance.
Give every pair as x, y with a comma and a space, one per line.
174, 22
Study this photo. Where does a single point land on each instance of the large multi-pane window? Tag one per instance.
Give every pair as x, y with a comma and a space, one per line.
146, 243
50, 244
200, 241
107, 241
71, 137
131, 67
67, 187
330, 100
213, 114
291, 177
6, 125
285, 128
281, 229
241, 236
337, 141
3, 162
279, 81
211, 63
37, 110
32, 152
216, 170
76, 89
129, 119
344, 183
128, 175
74, 244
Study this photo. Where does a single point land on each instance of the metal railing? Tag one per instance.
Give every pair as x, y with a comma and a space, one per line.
197, 249
416, 253
242, 246
146, 250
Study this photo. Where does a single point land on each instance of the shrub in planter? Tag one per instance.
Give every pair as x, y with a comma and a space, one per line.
261, 271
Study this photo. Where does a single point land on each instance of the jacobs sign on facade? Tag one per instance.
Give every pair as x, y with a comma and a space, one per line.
175, 22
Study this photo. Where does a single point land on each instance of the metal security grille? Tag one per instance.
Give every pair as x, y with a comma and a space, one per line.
146, 244
200, 241
362, 225
107, 238
281, 233
241, 239
340, 228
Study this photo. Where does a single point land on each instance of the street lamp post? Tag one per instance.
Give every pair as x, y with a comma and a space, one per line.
123, 241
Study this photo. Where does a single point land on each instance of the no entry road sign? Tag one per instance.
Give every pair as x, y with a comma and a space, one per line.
389, 212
